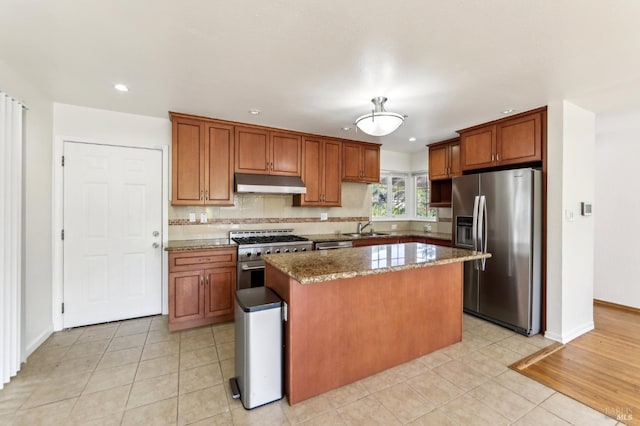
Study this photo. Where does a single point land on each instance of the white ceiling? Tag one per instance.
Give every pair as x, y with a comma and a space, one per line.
314, 65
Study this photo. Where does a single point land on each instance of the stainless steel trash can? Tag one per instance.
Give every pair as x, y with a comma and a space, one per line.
258, 327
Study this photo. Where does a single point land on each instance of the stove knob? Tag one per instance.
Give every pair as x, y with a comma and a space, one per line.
294, 250
258, 253
267, 252
277, 250
303, 249
285, 250
248, 254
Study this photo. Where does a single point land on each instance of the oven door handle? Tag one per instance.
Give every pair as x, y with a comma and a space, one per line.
251, 268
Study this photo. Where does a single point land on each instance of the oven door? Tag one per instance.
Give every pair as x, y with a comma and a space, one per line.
250, 274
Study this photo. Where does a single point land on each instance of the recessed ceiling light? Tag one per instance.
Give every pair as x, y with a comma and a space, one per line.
346, 128
121, 87
254, 111
508, 111
412, 139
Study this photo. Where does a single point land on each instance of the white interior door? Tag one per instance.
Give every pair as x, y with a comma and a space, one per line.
112, 233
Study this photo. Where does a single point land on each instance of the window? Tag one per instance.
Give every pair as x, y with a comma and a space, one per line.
399, 195
422, 209
389, 197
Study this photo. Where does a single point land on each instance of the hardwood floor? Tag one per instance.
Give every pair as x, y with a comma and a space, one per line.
601, 368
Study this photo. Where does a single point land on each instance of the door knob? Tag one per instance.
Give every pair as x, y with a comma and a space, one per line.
155, 245
155, 233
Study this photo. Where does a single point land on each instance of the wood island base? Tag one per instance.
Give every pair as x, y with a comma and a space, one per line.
343, 330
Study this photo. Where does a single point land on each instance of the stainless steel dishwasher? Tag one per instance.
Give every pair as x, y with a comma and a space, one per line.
330, 245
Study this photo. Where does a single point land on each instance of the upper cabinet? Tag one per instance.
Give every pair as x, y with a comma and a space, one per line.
444, 160
321, 173
360, 162
260, 151
202, 165
515, 140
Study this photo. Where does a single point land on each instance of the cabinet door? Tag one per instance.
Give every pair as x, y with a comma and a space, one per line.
351, 162
251, 150
332, 182
220, 286
371, 164
520, 140
312, 173
455, 168
438, 162
186, 296
285, 154
219, 164
187, 148
478, 147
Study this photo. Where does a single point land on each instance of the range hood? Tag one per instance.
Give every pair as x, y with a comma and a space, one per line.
269, 184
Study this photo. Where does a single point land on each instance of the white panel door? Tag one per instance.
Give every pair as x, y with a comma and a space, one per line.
112, 233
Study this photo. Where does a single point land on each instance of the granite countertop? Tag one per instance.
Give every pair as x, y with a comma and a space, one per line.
214, 243
327, 265
321, 238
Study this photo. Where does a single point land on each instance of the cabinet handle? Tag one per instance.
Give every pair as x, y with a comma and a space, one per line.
271, 166
201, 192
492, 156
206, 195
498, 157
201, 280
207, 280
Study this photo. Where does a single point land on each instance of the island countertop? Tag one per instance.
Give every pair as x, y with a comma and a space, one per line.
327, 265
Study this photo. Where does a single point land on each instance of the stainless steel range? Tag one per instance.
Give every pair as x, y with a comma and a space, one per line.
253, 244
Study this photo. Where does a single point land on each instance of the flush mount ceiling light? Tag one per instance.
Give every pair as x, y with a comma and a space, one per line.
508, 111
254, 111
379, 122
121, 87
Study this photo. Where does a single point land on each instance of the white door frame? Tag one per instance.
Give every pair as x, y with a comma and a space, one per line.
57, 186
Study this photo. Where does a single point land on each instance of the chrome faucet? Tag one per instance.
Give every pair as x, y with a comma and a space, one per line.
361, 226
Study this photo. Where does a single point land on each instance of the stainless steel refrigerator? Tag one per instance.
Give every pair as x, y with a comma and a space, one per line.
501, 213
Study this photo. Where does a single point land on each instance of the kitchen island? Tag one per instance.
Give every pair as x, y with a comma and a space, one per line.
354, 312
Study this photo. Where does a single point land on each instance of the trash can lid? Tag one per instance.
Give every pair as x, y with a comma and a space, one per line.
257, 299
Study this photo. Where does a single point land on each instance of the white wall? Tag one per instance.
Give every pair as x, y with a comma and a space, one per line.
404, 161
570, 242
37, 206
616, 208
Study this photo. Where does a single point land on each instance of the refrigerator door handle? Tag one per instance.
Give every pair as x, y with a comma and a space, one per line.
482, 229
474, 229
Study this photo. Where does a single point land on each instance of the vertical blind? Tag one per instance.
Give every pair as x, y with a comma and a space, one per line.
10, 237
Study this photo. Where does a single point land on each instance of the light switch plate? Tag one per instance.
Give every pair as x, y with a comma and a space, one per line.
585, 208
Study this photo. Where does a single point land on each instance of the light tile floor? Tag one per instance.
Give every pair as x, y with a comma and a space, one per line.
138, 373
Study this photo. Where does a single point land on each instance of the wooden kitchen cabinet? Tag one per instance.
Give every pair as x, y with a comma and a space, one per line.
444, 164
360, 162
321, 173
516, 140
444, 160
364, 242
260, 151
201, 287
202, 162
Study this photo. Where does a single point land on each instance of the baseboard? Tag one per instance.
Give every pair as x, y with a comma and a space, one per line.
616, 306
567, 337
35, 344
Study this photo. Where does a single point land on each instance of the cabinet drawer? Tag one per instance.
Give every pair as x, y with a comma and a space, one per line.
190, 260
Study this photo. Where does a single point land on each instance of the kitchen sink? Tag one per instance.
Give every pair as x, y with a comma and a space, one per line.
367, 234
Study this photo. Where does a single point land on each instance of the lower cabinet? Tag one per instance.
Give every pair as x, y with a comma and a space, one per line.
201, 287
375, 241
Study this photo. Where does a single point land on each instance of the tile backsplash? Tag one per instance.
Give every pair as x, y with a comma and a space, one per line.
271, 211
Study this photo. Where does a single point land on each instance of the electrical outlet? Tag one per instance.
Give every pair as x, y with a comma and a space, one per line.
394, 227
324, 216
192, 217
203, 218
